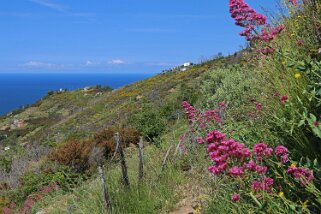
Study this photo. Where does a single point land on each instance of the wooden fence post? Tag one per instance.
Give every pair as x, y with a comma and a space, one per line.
140, 157
165, 159
177, 148
122, 159
105, 192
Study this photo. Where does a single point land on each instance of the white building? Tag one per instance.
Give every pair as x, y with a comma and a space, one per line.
87, 88
187, 64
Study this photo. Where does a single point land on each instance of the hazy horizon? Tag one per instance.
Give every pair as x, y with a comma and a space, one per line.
114, 36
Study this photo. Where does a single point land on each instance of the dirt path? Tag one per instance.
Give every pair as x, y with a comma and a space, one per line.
187, 209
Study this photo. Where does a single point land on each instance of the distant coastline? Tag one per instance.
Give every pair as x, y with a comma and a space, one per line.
19, 89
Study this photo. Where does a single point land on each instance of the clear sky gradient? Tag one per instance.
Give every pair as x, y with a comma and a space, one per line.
114, 35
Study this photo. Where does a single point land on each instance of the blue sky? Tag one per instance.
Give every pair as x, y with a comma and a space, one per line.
114, 35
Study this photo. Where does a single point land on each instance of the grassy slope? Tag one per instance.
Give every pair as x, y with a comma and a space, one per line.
257, 80
176, 187
58, 117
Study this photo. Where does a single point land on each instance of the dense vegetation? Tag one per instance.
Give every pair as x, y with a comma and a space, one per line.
244, 130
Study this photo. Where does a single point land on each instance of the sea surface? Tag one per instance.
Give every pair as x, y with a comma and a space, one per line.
19, 89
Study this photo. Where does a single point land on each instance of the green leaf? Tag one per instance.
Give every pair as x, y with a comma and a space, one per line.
315, 163
314, 118
308, 162
301, 68
300, 101
291, 64
316, 130
301, 123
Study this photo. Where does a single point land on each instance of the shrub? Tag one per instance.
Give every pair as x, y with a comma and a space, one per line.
150, 122
87, 154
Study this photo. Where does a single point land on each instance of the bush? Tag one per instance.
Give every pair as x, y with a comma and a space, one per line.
150, 122
31, 182
87, 154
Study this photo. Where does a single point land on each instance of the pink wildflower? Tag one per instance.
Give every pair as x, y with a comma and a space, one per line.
267, 183
256, 185
294, 2
212, 147
215, 136
236, 171
300, 42
212, 115
261, 169
222, 105
267, 50
304, 175
284, 158
251, 165
262, 150
200, 140
7, 210
190, 111
236, 197
218, 168
259, 106
182, 137
284, 99
280, 150
276, 94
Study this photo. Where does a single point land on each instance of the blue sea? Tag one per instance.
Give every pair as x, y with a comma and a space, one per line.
19, 89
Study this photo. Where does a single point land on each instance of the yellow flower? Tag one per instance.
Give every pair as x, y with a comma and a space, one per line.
297, 75
281, 194
293, 165
198, 210
292, 34
305, 204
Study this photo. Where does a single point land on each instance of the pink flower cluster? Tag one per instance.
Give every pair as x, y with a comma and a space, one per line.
190, 111
226, 153
284, 99
265, 185
235, 159
212, 115
261, 150
247, 17
236, 197
201, 119
267, 50
269, 33
282, 152
294, 2
259, 106
223, 151
244, 15
304, 175
215, 136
